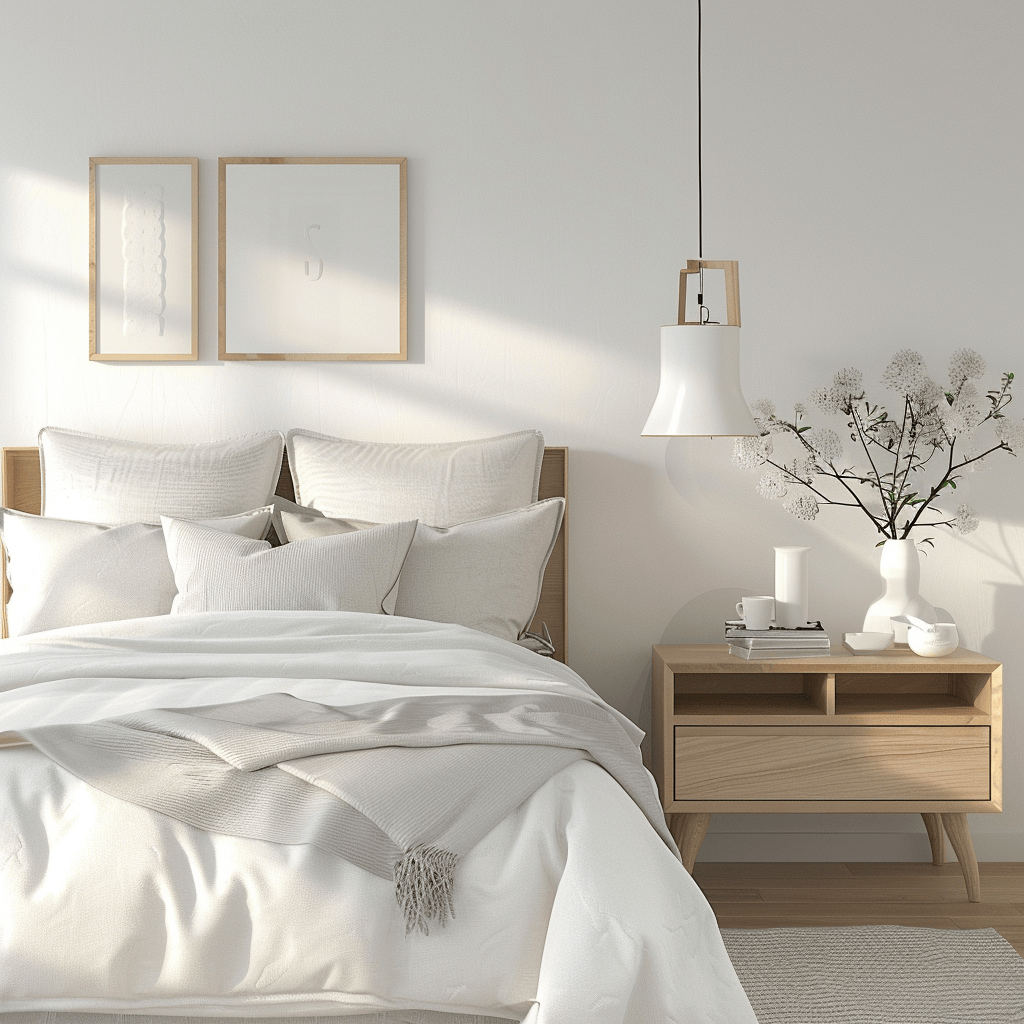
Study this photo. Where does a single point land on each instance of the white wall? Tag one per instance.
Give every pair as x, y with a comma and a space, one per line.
863, 162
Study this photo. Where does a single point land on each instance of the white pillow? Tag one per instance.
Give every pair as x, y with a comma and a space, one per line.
442, 484
352, 572
486, 574
104, 480
65, 573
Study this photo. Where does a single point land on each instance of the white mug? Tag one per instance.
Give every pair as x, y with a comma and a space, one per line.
756, 612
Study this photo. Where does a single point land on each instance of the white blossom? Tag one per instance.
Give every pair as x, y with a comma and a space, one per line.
751, 452
926, 395
964, 364
965, 413
799, 408
824, 400
888, 433
1011, 433
966, 520
763, 408
826, 443
803, 506
904, 372
772, 485
803, 468
848, 384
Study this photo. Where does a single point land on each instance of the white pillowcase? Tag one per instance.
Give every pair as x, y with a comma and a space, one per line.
105, 480
66, 573
486, 574
350, 572
442, 484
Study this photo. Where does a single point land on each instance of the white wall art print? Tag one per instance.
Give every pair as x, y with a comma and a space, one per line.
143, 259
313, 258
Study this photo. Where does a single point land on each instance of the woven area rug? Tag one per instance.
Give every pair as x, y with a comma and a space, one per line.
878, 975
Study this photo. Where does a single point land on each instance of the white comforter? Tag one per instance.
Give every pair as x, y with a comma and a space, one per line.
571, 910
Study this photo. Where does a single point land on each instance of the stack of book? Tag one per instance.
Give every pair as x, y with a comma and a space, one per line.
809, 641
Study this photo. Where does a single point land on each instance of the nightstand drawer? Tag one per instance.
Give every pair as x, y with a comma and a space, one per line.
832, 763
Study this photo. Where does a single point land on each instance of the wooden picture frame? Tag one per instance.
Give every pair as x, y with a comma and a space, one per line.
143, 259
312, 258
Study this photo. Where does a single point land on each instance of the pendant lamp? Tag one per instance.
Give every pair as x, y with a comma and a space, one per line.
700, 392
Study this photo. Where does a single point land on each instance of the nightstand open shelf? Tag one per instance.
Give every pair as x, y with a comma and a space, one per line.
887, 732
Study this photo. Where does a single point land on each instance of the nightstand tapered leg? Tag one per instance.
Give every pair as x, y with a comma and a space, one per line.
689, 830
933, 825
960, 838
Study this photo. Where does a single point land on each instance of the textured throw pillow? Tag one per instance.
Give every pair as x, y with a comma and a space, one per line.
104, 480
486, 574
66, 573
442, 484
351, 572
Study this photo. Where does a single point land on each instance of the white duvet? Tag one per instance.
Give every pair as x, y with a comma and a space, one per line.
571, 910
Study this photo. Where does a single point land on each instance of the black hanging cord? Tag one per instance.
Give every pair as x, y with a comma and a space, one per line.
700, 133
703, 313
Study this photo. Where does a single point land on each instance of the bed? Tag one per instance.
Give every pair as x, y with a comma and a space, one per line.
568, 901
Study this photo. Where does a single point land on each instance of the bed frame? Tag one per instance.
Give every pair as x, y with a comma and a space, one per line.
22, 490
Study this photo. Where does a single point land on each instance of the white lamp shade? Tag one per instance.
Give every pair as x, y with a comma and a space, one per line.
700, 384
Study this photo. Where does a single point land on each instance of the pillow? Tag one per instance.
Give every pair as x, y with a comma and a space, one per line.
486, 574
351, 572
104, 480
65, 573
442, 484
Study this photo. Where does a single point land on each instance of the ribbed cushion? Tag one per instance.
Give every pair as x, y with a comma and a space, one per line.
105, 480
351, 572
486, 574
440, 484
66, 573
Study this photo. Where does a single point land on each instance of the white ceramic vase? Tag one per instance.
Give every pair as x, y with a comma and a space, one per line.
900, 567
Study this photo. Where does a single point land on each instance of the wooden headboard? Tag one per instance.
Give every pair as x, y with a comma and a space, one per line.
22, 490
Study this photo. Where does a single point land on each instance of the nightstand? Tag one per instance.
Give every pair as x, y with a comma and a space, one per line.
889, 732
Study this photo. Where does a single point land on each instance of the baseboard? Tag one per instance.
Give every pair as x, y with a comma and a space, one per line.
758, 847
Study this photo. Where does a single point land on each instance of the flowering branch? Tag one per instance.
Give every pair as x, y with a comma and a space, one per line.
937, 423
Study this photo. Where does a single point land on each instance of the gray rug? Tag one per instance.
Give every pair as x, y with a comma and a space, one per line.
878, 975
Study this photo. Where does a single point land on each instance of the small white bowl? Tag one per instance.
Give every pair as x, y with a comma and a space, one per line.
937, 642
864, 642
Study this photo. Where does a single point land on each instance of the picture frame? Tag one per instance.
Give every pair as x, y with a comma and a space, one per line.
143, 259
312, 258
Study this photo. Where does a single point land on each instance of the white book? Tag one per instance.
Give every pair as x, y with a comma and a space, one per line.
779, 652
773, 643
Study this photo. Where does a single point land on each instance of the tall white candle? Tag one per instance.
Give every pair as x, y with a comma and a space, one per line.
791, 586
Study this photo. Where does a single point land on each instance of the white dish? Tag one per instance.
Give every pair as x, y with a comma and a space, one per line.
867, 643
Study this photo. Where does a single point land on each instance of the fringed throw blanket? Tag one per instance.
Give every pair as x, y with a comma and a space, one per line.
403, 787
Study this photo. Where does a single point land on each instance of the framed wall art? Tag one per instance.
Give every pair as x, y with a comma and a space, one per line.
143, 258
312, 258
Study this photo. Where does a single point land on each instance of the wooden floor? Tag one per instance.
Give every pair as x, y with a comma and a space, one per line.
920, 895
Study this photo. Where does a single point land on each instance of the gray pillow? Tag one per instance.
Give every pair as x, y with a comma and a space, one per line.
351, 572
106, 480
441, 484
67, 573
486, 574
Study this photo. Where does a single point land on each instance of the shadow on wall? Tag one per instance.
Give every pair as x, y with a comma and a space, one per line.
697, 622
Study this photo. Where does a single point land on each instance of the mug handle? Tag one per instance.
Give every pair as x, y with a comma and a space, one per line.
739, 609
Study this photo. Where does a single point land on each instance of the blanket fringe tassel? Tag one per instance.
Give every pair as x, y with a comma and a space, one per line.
424, 878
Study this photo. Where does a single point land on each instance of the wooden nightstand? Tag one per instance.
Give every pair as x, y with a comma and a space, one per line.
890, 732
